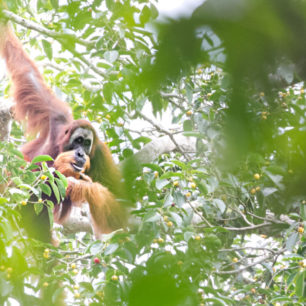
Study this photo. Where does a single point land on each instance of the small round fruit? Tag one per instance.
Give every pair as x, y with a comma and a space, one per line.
45, 284
188, 194
75, 271
73, 266
256, 176
179, 263
301, 229
97, 260
253, 191
253, 290
189, 113
24, 203
9, 270
193, 185
46, 255
107, 116
257, 188
169, 224
43, 177
77, 295
115, 278
76, 287
176, 183
2, 268
160, 240
166, 218
156, 174
197, 237
235, 259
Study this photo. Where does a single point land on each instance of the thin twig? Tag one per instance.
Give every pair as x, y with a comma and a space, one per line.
200, 215
244, 217
249, 248
245, 267
163, 130
247, 228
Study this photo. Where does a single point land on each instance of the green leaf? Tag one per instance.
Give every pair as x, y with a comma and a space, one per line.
54, 3
219, 204
300, 283
145, 15
45, 188
96, 247
50, 212
111, 56
291, 241
3, 201
111, 249
154, 11
161, 183
62, 178
55, 191
41, 158
108, 92
38, 207
47, 48
151, 216
61, 187
268, 191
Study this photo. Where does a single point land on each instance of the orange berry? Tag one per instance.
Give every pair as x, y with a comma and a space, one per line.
189, 113
301, 229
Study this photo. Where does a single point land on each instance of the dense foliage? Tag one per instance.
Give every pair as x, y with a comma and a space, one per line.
220, 222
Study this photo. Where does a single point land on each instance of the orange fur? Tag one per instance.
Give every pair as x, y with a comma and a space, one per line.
50, 120
106, 212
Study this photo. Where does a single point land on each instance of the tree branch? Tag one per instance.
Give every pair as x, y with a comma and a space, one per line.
36, 27
5, 120
165, 131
